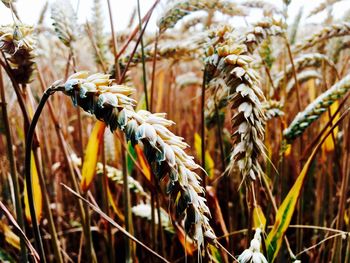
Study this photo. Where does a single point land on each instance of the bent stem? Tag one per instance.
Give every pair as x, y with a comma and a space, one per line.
28, 176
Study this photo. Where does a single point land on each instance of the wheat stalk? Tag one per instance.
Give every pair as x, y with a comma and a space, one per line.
17, 42
328, 32
164, 150
300, 63
185, 7
315, 109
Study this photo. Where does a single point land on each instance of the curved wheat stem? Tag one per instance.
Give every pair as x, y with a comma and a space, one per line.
164, 151
335, 30
314, 110
185, 7
18, 43
300, 63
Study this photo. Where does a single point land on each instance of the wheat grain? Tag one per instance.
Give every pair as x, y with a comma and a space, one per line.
315, 109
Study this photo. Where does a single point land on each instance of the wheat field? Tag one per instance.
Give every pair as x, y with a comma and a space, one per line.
216, 135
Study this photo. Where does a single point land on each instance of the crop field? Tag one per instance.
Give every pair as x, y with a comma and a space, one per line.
204, 131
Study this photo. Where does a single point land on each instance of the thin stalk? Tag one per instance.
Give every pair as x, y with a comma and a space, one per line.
204, 176
46, 205
28, 176
115, 45
144, 77
126, 199
342, 201
153, 72
12, 161
110, 245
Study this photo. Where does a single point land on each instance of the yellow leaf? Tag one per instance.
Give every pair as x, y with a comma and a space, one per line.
37, 195
259, 220
328, 145
143, 162
209, 162
91, 155
285, 212
10, 237
160, 90
114, 206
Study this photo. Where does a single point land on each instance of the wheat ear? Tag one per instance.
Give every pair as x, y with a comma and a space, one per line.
229, 71
65, 22
328, 32
273, 109
164, 150
17, 42
300, 63
315, 109
185, 7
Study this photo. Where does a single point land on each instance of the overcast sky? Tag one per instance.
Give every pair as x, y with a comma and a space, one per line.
122, 9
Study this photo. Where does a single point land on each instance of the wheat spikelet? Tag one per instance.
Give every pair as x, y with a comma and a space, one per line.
300, 63
229, 70
186, 49
328, 32
18, 43
164, 151
98, 29
65, 22
315, 109
249, 42
116, 175
272, 109
184, 7
261, 31
322, 6
268, 8
303, 77
145, 211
